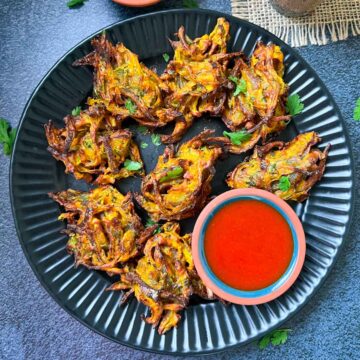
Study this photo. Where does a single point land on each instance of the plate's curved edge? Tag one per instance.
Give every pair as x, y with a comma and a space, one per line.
352, 200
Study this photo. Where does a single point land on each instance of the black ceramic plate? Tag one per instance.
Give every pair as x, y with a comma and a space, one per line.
205, 327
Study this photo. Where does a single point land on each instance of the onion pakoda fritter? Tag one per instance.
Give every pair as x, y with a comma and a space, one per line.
125, 86
180, 184
257, 105
196, 77
93, 148
104, 230
164, 278
288, 170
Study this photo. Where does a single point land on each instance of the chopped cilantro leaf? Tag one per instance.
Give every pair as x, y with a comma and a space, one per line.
190, 4
237, 137
357, 110
284, 183
72, 3
7, 136
130, 106
294, 105
132, 165
240, 85
142, 129
150, 222
76, 111
172, 174
277, 337
155, 138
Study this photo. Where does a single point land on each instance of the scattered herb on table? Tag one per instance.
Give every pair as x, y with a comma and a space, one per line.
72, 3
166, 57
277, 337
142, 129
144, 145
130, 106
132, 165
294, 105
357, 110
76, 111
240, 85
7, 136
155, 138
284, 183
237, 137
190, 4
175, 173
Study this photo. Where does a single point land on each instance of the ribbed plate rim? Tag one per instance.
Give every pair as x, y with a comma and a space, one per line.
351, 200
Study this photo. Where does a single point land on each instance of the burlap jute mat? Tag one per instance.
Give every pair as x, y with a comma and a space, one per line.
333, 20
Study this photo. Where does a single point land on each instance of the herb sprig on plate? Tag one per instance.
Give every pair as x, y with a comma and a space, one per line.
237, 137
294, 106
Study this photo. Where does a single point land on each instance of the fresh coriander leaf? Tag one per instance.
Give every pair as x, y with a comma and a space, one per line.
238, 137
166, 57
150, 222
132, 165
240, 85
144, 145
130, 106
7, 136
155, 138
4, 130
157, 230
190, 4
73, 3
357, 110
142, 129
279, 337
294, 105
172, 174
284, 183
264, 342
76, 111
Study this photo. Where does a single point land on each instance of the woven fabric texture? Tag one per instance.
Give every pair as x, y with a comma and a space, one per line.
332, 20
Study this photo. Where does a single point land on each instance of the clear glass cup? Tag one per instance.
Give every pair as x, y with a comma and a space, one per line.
294, 7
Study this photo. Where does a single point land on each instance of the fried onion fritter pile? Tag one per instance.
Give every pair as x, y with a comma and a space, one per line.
92, 147
104, 230
180, 184
196, 77
296, 163
164, 278
260, 106
119, 77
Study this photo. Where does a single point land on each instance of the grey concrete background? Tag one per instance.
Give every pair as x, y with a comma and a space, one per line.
33, 35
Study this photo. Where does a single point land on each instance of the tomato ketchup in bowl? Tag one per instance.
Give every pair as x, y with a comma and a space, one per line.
248, 246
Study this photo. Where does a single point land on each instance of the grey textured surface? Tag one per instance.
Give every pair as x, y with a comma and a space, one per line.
34, 34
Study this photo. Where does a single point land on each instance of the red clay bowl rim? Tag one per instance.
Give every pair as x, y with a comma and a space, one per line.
137, 3
293, 220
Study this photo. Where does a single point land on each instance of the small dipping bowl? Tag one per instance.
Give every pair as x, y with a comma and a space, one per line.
223, 290
137, 3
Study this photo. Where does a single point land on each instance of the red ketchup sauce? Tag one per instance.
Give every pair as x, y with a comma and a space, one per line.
248, 245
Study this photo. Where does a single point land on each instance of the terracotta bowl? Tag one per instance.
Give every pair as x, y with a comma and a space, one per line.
227, 292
